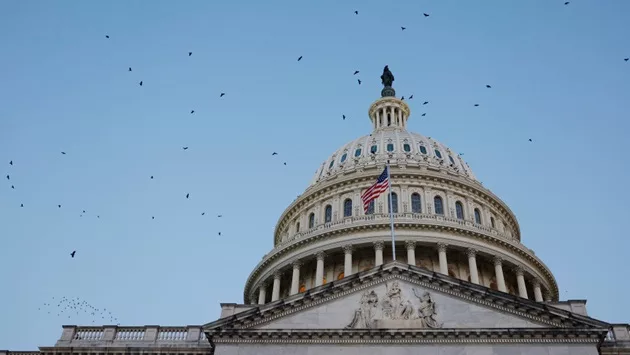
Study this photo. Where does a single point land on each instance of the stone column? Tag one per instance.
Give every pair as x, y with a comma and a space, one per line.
319, 272
411, 252
520, 280
295, 278
378, 253
262, 293
498, 269
538, 297
472, 265
442, 258
347, 265
275, 292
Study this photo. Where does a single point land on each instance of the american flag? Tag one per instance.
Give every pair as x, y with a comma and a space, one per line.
375, 190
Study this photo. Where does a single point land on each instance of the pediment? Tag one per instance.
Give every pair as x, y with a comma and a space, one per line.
399, 296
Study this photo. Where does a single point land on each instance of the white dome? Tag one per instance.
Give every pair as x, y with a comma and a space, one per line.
397, 145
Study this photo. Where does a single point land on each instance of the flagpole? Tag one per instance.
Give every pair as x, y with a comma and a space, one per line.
391, 212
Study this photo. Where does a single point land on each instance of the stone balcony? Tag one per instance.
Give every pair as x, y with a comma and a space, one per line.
143, 336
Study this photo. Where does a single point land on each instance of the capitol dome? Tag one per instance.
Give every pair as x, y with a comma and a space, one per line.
443, 219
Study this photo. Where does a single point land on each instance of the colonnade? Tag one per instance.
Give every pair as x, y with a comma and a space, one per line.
410, 245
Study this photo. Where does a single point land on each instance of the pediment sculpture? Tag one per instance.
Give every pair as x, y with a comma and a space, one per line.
394, 310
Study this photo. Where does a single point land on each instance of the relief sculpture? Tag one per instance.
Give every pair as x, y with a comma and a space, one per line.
394, 310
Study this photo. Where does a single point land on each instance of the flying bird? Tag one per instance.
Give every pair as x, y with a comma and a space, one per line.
21, 205
359, 80
151, 177
285, 163
530, 140
425, 14
184, 148
343, 116
203, 213
11, 162
64, 153
424, 114
152, 217
8, 177
300, 58
626, 59
189, 54
222, 94
187, 195
220, 216
488, 86
402, 98
192, 111
106, 36
426, 102
476, 105
73, 252
274, 153
410, 97
566, 3
13, 187
356, 72
403, 28
356, 12
129, 68
140, 83
59, 206
219, 233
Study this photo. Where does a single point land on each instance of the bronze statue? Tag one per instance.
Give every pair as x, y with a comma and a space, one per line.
387, 78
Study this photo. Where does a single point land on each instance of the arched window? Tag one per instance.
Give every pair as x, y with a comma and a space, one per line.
389, 119
406, 147
451, 159
394, 203
477, 216
311, 220
390, 147
459, 210
328, 214
347, 208
374, 149
423, 150
357, 153
343, 157
297, 227
492, 222
370, 209
438, 154
332, 162
439, 208
415, 203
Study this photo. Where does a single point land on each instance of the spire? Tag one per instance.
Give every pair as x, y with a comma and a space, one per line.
387, 79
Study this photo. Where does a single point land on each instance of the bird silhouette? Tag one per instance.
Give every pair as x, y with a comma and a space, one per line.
343, 116
626, 59
11, 162
185, 148
64, 153
73, 252
189, 54
220, 215
21, 205
566, 3
359, 80
187, 195
424, 114
219, 233
203, 213
530, 140
476, 105
274, 153
356, 12
13, 187
222, 94
192, 111
59, 206
129, 68
285, 163
410, 97
426, 102
488, 86
8, 177
403, 28
151, 177
106, 36
356, 72
425, 14
402, 98
300, 58
140, 83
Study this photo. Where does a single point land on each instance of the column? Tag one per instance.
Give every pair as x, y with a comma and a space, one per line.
262, 293
378, 253
498, 269
295, 278
411, 252
538, 297
520, 280
472, 265
442, 257
347, 265
319, 272
275, 292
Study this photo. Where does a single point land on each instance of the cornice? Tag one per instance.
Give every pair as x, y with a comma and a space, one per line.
408, 336
417, 173
330, 233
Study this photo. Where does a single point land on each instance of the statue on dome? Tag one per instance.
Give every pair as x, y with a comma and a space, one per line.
387, 78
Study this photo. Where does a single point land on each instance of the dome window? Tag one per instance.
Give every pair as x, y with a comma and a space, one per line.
394, 202
343, 157
370, 209
477, 216
357, 153
297, 227
438, 154
416, 203
423, 150
406, 147
451, 159
311, 220
347, 208
374, 149
390, 147
459, 210
332, 162
492, 222
439, 207
328, 214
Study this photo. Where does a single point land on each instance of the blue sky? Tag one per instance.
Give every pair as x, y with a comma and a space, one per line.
557, 76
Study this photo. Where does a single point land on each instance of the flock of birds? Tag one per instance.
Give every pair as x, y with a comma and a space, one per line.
73, 307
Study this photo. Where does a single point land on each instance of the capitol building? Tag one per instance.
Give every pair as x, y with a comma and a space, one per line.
459, 279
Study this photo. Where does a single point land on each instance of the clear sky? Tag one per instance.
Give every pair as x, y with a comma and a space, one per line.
557, 74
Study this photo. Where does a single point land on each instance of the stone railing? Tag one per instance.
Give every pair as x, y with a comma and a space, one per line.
420, 218
148, 335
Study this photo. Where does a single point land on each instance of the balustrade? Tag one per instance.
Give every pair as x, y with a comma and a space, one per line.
89, 336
